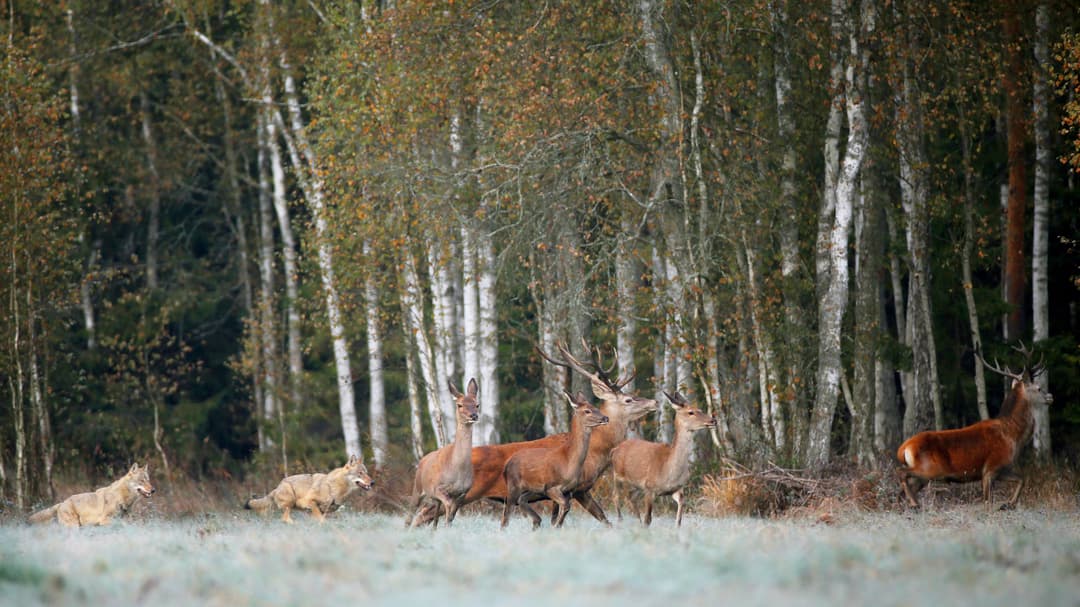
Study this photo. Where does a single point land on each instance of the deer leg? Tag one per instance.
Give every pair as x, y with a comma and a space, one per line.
912, 495
586, 500
1012, 477
555, 511
447, 506
648, 508
987, 487
563, 501
617, 497
677, 496
506, 511
527, 510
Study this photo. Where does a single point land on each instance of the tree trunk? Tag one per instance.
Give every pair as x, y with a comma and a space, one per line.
965, 262
289, 256
442, 305
1041, 229
489, 341
267, 318
416, 423
85, 291
306, 163
869, 323
377, 393
840, 190
153, 220
412, 303
555, 379
1015, 273
923, 401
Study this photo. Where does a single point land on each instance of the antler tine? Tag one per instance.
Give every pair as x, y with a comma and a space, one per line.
601, 372
996, 368
569, 361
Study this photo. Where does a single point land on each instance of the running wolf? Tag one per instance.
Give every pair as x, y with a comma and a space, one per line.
320, 493
98, 507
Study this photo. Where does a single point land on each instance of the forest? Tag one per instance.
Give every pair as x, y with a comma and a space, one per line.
251, 237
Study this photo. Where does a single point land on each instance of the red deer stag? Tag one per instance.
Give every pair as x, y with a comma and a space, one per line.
489, 460
552, 471
660, 469
982, 451
444, 476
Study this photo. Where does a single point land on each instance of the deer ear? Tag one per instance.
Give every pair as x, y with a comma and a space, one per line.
473, 388
453, 389
599, 389
570, 399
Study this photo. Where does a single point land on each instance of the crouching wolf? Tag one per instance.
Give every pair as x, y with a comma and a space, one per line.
319, 493
98, 507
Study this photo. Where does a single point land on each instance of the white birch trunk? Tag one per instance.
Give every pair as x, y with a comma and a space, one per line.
1041, 228
85, 292
267, 322
288, 245
312, 185
413, 304
443, 346
554, 377
489, 341
377, 391
470, 316
844, 181
416, 422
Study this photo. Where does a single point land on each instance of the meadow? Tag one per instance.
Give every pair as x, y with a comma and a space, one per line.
961, 555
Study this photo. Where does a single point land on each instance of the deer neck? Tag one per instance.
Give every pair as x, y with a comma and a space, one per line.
461, 452
678, 462
578, 447
607, 437
1017, 417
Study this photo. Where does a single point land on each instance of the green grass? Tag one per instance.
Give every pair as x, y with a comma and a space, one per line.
962, 556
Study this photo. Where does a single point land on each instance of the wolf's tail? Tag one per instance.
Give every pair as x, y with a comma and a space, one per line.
260, 504
43, 516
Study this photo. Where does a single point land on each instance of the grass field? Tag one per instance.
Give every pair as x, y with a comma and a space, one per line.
944, 557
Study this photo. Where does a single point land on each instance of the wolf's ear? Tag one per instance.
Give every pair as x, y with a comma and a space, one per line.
134, 468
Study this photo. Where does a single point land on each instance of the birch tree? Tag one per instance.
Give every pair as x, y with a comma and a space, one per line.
848, 60
377, 392
1041, 227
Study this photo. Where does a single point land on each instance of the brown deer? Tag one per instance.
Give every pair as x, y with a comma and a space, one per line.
659, 469
444, 476
552, 471
488, 461
982, 451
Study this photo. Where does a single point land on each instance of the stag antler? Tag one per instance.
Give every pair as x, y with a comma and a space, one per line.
605, 374
1030, 369
996, 368
600, 375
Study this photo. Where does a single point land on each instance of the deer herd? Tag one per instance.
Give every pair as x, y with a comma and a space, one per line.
564, 467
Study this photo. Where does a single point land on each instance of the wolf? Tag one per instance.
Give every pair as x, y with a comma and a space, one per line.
319, 493
98, 507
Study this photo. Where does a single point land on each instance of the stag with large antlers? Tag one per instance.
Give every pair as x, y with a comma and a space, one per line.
982, 451
620, 408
